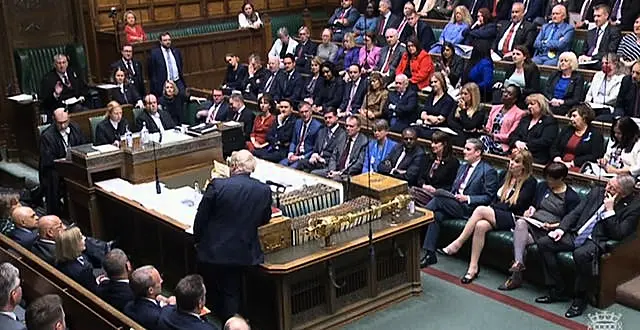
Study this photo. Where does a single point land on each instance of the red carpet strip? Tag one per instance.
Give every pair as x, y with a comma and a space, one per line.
539, 312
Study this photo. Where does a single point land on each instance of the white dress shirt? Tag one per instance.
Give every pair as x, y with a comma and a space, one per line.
157, 120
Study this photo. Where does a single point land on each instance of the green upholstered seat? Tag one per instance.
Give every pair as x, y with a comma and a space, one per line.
577, 46
197, 29
93, 122
33, 63
437, 32
136, 113
291, 21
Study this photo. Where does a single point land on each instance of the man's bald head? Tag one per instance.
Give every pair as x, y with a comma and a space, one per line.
558, 14
61, 118
50, 226
25, 217
236, 323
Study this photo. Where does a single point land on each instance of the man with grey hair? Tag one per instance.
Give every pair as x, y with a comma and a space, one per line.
390, 54
607, 213
10, 297
386, 21
554, 38
46, 313
402, 105
116, 290
283, 45
226, 237
61, 84
146, 284
240, 113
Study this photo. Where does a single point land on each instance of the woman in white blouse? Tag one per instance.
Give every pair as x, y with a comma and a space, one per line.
605, 86
623, 150
249, 18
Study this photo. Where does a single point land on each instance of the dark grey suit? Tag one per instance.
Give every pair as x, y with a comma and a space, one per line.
394, 59
355, 161
324, 147
7, 323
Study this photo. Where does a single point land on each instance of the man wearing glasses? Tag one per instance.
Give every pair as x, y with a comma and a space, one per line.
55, 142
133, 67
10, 297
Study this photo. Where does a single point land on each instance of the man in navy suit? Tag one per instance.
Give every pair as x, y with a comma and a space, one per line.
418, 28
219, 110
386, 21
624, 13
330, 136
390, 54
10, 297
165, 63
45, 312
241, 114
133, 67
534, 9
476, 184
343, 19
406, 161
305, 50
604, 35
354, 92
289, 82
305, 132
116, 290
155, 119
25, 220
226, 232
145, 308
348, 157
401, 108
185, 315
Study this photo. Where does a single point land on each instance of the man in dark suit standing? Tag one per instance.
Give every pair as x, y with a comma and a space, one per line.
354, 92
219, 110
476, 184
347, 158
146, 307
628, 103
609, 213
406, 161
165, 63
190, 299
11, 296
55, 142
624, 13
239, 113
226, 238
133, 67
289, 82
305, 50
387, 21
305, 132
60, 85
517, 32
25, 220
155, 119
401, 108
330, 136
602, 39
116, 290
420, 29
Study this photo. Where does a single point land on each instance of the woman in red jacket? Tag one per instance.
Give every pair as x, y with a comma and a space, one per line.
416, 64
133, 31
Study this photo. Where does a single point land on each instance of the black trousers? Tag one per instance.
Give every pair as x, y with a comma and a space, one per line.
224, 285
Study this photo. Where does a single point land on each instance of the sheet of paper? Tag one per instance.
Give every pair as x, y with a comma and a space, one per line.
532, 221
446, 130
21, 98
107, 86
106, 148
71, 100
495, 57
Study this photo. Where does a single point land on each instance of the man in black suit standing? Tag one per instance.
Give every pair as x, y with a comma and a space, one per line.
602, 39
347, 158
330, 136
61, 84
354, 92
190, 299
116, 290
420, 29
155, 119
133, 67
289, 82
628, 103
241, 114
146, 307
406, 161
219, 110
608, 213
25, 220
226, 237
386, 21
165, 63
517, 32
305, 50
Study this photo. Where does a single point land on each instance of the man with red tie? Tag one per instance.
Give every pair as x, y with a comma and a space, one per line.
343, 19
217, 112
516, 32
386, 21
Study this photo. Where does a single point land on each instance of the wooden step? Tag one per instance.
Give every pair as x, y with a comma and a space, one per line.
628, 293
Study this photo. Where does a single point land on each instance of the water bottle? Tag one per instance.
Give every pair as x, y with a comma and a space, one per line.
129, 137
144, 134
412, 207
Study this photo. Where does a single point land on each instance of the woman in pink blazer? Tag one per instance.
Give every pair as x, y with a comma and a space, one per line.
369, 53
503, 120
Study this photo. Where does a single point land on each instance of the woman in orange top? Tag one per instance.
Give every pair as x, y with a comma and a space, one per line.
262, 124
416, 64
133, 31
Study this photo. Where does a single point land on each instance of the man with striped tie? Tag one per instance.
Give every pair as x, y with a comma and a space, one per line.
607, 213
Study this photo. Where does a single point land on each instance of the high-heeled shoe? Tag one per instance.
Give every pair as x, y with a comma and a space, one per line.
446, 251
468, 278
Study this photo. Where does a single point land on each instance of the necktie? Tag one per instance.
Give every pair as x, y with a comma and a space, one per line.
507, 40
402, 24
345, 154
585, 10
594, 42
473, 8
286, 82
326, 139
267, 88
344, 12
434, 167
616, 9
172, 74
582, 237
463, 177
65, 80
354, 88
384, 22
525, 4
300, 50
130, 68
385, 68
212, 116
495, 8
237, 116
422, 3
303, 136
124, 94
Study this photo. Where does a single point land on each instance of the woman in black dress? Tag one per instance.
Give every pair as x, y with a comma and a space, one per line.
437, 106
172, 101
515, 195
442, 168
331, 91
467, 120
112, 127
536, 131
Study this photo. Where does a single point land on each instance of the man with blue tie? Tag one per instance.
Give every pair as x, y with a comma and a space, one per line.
190, 299
608, 213
10, 297
25, 220
554, 39
165, 63
476, 184
402, 105
145, 309
304, 137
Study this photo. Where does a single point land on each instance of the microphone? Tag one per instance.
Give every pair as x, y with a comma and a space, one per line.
276, 184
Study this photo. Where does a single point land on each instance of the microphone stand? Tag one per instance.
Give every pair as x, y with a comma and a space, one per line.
155, 165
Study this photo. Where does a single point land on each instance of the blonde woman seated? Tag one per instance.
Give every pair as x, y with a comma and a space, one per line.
112, 127
71, 260
516, 193
453, 31
605, 86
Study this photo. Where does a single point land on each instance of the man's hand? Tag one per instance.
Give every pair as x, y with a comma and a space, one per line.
462, 198
334, 174
609, 201
392, 106
292, 157
521, 145
314, 158
429, 188
529, 212
57, 90
584, 58
202, 113
556, 235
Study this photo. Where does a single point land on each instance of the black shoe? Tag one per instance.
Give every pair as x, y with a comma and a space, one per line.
551, 298
577, 308
468, 278
423, 254
429, 259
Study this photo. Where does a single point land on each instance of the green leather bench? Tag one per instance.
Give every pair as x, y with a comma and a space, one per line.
292, 22
196, 30
437, 32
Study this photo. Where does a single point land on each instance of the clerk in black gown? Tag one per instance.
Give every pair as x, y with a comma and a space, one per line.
112, 127
54, 142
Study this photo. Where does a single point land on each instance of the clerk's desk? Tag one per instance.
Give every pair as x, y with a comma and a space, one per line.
87, 167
